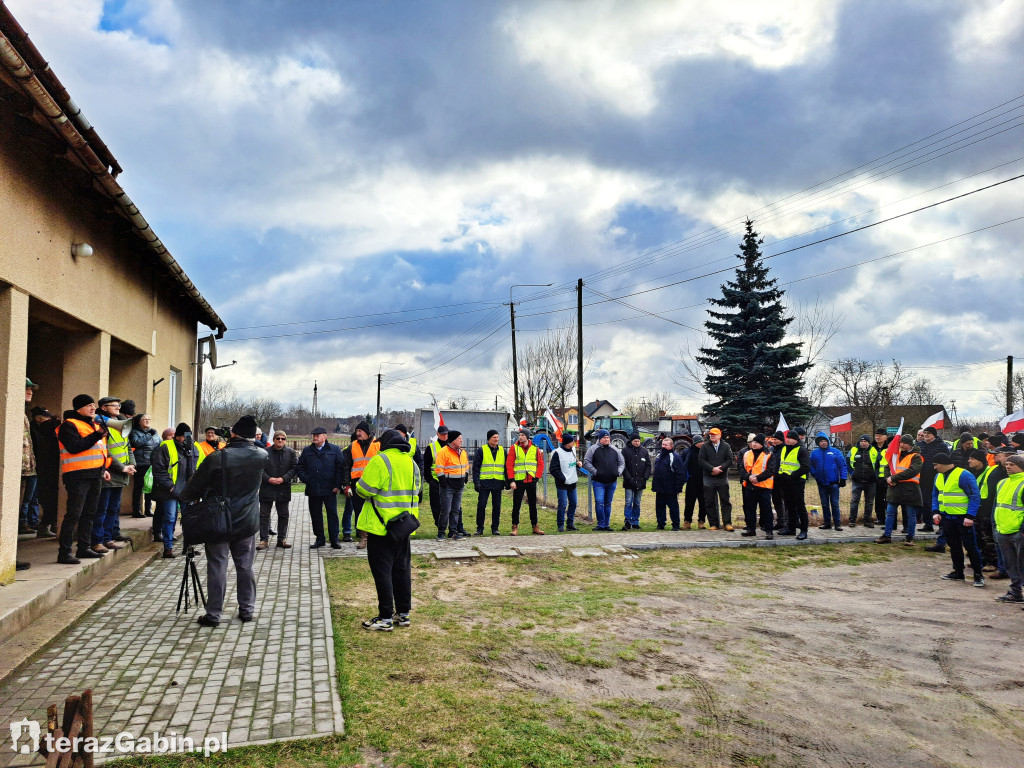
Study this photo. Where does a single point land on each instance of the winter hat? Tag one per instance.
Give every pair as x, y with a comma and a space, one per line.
442, 430
698, 439
1018, 439
759, 438
634, 435
865, 438
907, 439
801, 431
454, 435
881, 431
780, 435
979, 455
942, 458
931, 431
245, 427
81, 401
793, 435
997, 439
184, 429
966, 436
522, 431
401, 428
601, 433
491, 433
38, 411
280, 433
568, 438
318, 431
128, 408
363, 426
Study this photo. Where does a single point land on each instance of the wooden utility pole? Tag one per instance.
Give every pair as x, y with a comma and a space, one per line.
515, 361
1009, 383
376, 421
580, 417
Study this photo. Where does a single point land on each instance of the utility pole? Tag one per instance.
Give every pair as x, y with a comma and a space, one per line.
376, 421
580, 416
315, 399
1009, 383
515, 361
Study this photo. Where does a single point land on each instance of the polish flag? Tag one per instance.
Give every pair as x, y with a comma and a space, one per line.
841, 424
783, 427
438, 418
936, 420
892, 453
554, 423
523, 421
1014, 422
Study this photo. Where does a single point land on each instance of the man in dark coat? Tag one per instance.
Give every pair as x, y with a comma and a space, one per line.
903, 489
47, 450
321, 467
143, 440
715, 458
635, 474
694, 485
929, 447
668, 476
276, 490
240, 471
793, 467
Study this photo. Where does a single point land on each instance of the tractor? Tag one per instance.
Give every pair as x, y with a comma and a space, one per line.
681, 429
620, 427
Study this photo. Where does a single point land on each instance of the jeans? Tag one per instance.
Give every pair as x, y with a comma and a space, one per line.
481, 508
391, 565
266, 506
168, 518
890, 519
632, 508
450, 516
317, 505
107, 525
1011, 546
346, 516
829, 495
715, 496
960, 538
868, 490
28, 514
755, 499
566, 506
603, 495
666, 502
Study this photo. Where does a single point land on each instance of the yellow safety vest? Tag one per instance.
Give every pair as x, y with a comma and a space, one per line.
392, 483
983, 482
492, 469
172, 459
1009, 509
788, 463
872, 452
952, 499
526, 462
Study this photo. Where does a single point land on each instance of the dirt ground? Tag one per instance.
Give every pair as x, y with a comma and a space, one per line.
881, 664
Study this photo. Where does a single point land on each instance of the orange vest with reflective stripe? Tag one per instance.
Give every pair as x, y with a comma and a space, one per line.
93, 458
904, 463
360, 459
451, 464
756, 468
206, 449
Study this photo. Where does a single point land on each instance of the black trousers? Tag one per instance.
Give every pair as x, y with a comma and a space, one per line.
881, 488
391, 565
667, 502
266, 505
755, 498
83, 499
793, 497
985, 537
137, 501
713, 495
317, 505
960, 538
435, 500
47, 493
780, 505
694, 495
481, 508
530, 490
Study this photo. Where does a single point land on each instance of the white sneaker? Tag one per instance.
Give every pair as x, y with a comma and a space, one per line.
378, 624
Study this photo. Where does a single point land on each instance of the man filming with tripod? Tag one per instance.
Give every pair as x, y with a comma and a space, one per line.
235, 472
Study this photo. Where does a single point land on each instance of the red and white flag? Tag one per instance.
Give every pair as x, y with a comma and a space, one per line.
554, 423
438, 418
842, 423
936, 420
523, 421
1014, 422
892, 453
782, 427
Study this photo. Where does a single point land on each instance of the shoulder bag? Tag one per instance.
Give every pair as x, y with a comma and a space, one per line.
209, 520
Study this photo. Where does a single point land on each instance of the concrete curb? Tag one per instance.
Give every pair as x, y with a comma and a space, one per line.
765, 544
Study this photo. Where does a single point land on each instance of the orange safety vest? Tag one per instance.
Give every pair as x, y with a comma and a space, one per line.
93, 458
451, 464
757, 468
905, 464
206, 449
360, 459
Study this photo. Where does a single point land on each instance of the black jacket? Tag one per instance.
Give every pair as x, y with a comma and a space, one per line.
709, 458
160, 460
281, 462
46, 448
321, 470
243, 464
863, 469
429, 454
637, 469
693, 465
670, 473
143, 442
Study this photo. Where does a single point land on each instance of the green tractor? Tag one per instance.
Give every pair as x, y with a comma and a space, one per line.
619, 427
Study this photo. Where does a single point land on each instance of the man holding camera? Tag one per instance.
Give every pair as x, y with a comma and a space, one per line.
174, 462
238, 470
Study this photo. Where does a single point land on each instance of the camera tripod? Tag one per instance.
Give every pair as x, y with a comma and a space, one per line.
190, 579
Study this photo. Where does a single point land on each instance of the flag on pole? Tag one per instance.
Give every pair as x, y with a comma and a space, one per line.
554, 424
892, 453
270, 434
842, 423
936, 420
1011, 423
438, 418
783, 426
523, 421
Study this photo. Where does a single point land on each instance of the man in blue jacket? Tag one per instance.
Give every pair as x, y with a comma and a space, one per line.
955, 503
321, 467
828, 468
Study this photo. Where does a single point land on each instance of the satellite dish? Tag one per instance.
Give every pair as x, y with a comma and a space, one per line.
212, 353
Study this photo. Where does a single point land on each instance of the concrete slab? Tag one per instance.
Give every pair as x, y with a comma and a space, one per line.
587, 552
498, 552
540, 549
457, 554
615, 549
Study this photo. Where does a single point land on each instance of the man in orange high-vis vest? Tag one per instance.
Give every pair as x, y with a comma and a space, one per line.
452, 470
759, 468
356, 457
83, 466
904, 488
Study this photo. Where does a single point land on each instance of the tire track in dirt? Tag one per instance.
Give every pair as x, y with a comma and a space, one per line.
707, 749
944, 655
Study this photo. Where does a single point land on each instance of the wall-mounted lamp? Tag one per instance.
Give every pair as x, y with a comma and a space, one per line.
81, 250
157, 382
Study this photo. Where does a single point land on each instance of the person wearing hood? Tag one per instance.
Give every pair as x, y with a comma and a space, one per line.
391, 483
322, 468
604, 463
83, 464
451, 467
106, 531
636, 470
238, 470
828, 468
174, 462
143, 441
694, 485
794, 466
563, 468
904, 489
758, 471
489, 481
668, 476
525, 463
863, 471
356, 456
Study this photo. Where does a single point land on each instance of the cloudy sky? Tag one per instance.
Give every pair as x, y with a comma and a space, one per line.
364, 181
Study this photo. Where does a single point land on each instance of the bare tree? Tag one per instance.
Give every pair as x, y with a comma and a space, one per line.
868, 385
650, 406
547, 370
921, 391
264, 410
220, 405
813, 326
461, 403
997, 394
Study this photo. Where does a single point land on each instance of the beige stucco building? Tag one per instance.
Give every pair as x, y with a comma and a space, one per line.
58, 188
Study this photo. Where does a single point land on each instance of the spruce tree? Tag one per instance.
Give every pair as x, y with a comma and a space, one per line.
752, 374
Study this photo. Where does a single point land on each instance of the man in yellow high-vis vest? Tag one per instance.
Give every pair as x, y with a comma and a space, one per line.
955, 502
1008, 518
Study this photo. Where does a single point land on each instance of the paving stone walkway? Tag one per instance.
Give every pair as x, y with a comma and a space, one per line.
153, 670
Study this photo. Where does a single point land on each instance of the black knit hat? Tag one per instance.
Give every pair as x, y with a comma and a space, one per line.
245, 427
127, 407
931, 431
759, 438
402, 428
780, 435
793, 435
453, 435
184, 429
942, 458
442, 430
866, 438
491, 433
80, 401
363, 426
979, 455
568, 438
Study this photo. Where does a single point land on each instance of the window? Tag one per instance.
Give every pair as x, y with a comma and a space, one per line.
173, 396
574, 419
